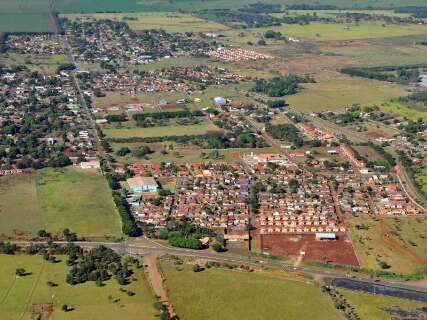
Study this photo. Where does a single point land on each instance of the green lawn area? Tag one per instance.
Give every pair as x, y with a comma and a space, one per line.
421, 178
333, 31
224, 294
17, 294
371, 246
169, 21
369, 306
334, 91
47, 64
24, 22
54, 199
403, 111
171, 130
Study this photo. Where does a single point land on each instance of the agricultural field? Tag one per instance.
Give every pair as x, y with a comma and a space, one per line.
369, 306
89, 301
54, 199
34, 62
334, 92
225, 294
168, 21
170, 130
421, 178
24, 22
378, 240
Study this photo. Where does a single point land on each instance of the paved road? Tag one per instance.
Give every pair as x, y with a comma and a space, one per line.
142, 247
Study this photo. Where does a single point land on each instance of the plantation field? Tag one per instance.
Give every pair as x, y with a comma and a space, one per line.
403, 111
369, 306
89, 301
334, 91
380, 242
54, 199
328, 32
170, 130
168, 21
34, 62
224, 294
24, 22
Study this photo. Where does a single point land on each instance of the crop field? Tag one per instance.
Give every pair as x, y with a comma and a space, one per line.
335, 91
369, 306
380, 242
24, 22
170, 130
168, 21
18, 294
54, 199
335, 31
224, 294
34, 62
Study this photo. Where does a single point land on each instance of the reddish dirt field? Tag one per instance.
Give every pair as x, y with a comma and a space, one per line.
339, 251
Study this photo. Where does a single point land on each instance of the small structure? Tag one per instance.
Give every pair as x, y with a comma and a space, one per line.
220, 101
142, 184
326, 236
92, 164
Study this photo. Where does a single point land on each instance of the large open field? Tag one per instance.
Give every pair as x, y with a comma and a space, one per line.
369, 306
403, 111
54, 199
171, 130
169, 21
34, 62
421, 178
18, 294
335, 91
24, 22
224, 294
383, 242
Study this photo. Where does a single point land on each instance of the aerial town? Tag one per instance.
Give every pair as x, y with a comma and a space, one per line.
213, 161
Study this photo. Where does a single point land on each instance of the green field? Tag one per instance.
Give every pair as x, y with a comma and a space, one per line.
224, 294
170, 130
421, 178
47, 64
24, 22
403, 111
54, 199
327, 32
17, 294
169, 21
335, 91
371, 245
369, 306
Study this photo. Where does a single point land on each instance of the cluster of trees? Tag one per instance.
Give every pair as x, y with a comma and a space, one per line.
245, 18
181, 242
276, 103
116, 118
261, 8
286, 132
156, 118
271, 34
400, 74
129, 225
281, 86
417, 12
416, 97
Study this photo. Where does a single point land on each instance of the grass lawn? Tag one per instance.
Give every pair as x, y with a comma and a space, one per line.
224, 294
54, 199
331, 31
47, 64
17, 294
171, 130
369, 306
403, 111
371, 246
24, 22
169, 21
334, 91
80, 201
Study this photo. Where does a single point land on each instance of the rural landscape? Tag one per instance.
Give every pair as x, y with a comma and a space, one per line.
213, 159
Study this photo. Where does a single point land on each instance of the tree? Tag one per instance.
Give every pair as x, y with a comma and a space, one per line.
217, 247
20, 272
197, 268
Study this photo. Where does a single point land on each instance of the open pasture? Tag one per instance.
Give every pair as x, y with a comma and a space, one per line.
34, 62
224, 294
89, 301
24, 22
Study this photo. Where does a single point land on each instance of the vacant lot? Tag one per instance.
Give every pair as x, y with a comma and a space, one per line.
169, 21
54, 199
224, 294
403, 111
376, 241
18, 294
369, 306
171, 130
335, 91
34, 62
